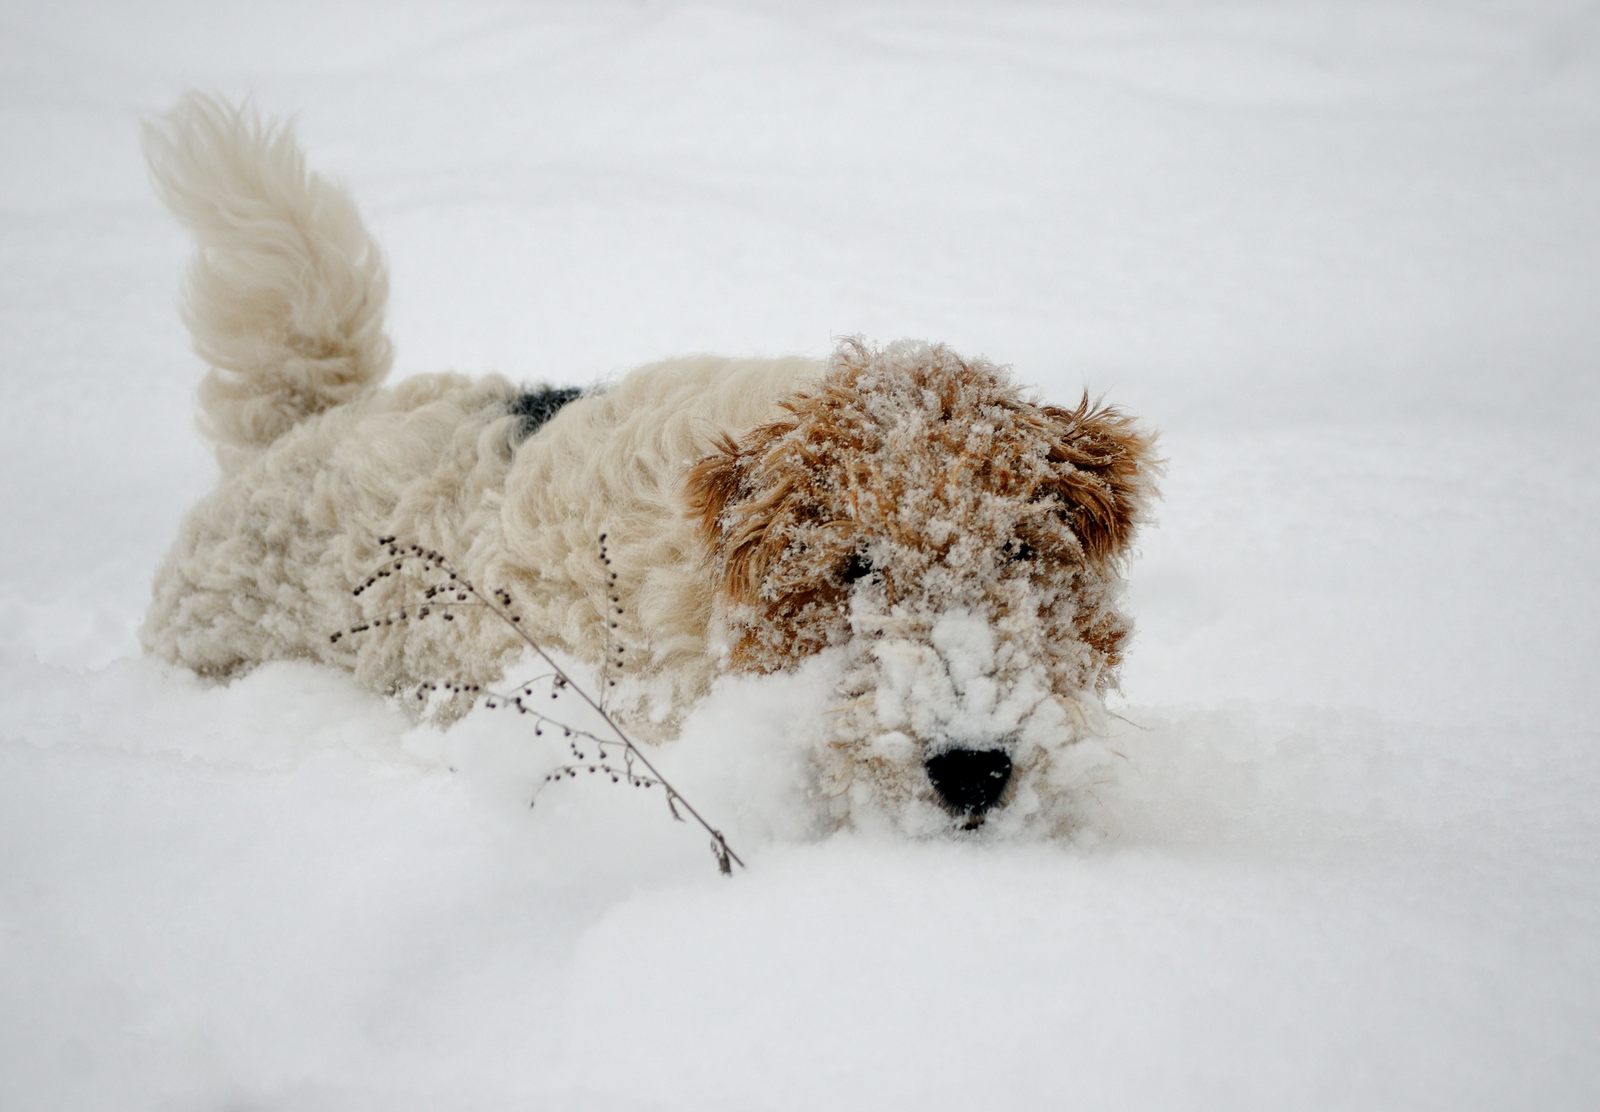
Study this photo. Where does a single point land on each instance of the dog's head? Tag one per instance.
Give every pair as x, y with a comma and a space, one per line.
961, 545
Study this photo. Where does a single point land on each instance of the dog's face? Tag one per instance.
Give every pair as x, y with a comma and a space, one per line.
960, 545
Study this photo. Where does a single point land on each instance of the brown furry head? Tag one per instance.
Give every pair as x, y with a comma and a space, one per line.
906, 468
911, 490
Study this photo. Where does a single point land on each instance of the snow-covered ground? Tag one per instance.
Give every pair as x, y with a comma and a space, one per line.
1345, 256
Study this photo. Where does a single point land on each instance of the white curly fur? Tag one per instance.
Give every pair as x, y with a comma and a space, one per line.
285, 301
286, 294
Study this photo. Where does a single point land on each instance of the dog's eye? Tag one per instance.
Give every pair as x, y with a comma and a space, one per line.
859, 566
1016, 552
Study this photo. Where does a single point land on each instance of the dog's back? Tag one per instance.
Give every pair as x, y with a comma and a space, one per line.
286, 295
285, 302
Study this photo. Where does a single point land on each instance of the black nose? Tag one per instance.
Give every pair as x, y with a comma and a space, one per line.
970, 781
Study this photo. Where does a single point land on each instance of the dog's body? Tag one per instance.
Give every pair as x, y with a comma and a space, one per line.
957, 545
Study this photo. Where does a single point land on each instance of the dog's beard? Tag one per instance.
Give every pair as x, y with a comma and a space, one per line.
921, 681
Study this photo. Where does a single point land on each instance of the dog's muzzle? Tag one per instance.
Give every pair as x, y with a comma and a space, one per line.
969, 781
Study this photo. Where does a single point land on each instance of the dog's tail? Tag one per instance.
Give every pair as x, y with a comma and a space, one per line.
286, 294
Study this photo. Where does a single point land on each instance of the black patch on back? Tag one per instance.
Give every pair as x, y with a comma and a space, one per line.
535, 407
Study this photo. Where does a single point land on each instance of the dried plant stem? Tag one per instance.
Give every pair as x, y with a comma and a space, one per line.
499, 606
726, 858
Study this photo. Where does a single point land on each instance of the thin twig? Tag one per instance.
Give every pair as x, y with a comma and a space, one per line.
461, 593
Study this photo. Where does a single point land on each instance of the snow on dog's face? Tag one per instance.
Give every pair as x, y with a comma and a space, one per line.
960, 544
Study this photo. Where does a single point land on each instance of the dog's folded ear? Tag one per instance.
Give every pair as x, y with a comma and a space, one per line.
716, 491
711, 485
742, 497
1104, 472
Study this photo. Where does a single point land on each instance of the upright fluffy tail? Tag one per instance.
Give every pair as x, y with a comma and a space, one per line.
286, 293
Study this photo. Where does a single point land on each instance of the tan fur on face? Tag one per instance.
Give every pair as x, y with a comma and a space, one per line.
938, 467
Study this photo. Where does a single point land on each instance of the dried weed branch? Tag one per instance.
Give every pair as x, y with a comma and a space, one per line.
592, 753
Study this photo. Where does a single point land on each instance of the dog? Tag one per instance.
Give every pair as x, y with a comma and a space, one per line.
952, 546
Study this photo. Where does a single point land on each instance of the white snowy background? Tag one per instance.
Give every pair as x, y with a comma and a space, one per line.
1345, 255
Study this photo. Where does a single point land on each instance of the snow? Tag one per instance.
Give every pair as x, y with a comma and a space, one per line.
1343, 255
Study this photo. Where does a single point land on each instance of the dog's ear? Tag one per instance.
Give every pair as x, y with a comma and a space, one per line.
737, 494
710, 488
733, 520
1104, 470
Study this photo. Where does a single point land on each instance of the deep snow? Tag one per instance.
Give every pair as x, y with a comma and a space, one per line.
1343, 255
